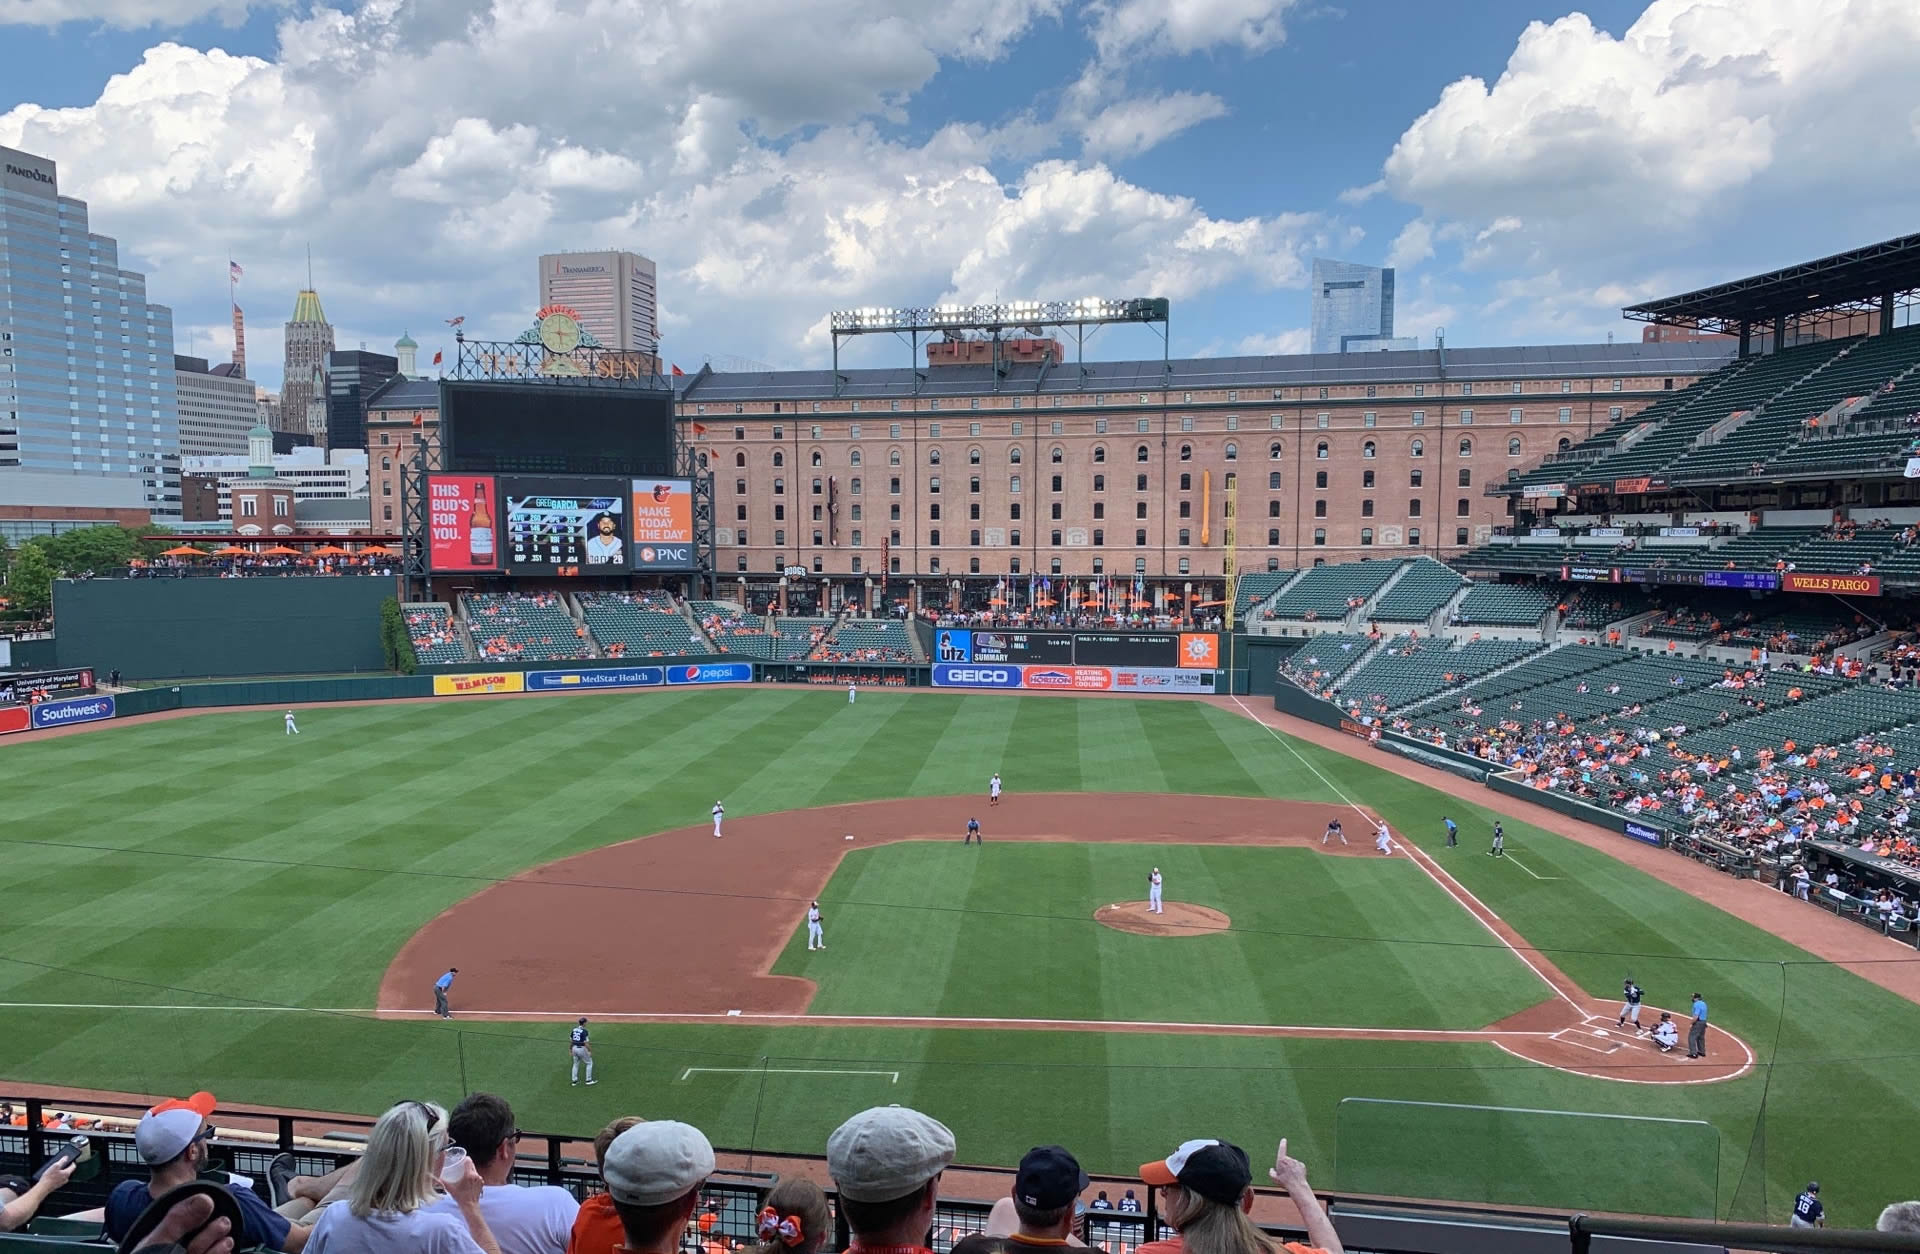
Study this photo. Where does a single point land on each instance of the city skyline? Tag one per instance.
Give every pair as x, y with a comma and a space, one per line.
1525, 169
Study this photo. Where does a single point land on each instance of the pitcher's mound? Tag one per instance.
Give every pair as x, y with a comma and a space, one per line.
1175, 919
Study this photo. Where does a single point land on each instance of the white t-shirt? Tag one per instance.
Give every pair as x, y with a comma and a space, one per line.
428, 1230
525, 1219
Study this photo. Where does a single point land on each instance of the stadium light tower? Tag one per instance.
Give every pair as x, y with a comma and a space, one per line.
1080, 319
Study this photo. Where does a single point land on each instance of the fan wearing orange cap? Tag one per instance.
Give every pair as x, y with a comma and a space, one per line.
1206, 1192
172, 1140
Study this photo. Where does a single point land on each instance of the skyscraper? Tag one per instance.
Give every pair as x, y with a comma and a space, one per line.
86, 364
216, 408
613, 292
1353, 309
352, 375
309, 340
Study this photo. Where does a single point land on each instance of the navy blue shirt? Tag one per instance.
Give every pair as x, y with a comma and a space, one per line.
262, 1225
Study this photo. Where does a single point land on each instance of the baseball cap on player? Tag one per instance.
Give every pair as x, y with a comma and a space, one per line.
1049, 1178
165, 1131
651, 1164
887, 1152
1216, 1170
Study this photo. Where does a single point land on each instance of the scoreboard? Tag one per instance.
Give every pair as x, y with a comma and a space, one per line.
558, 525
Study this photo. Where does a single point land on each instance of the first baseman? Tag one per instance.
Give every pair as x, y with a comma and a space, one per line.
1333, 829
719, 812
1153, 893
1382, 838
581, 1051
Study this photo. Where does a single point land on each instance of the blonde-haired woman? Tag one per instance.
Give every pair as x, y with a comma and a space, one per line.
795, 1219
1206, 1191
388, 1210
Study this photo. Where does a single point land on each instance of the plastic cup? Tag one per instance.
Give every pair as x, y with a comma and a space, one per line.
453, 1165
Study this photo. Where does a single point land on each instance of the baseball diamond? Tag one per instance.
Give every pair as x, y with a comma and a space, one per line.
205, 895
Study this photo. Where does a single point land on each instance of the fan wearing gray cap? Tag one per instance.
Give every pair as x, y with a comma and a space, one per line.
1206, 1190
1040, 1211
172, 1140
886, 1163
654, 1174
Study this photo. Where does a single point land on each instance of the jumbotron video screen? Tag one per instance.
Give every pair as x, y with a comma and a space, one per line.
556, 429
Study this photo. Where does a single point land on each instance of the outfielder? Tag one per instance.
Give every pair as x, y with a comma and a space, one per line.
816, 935
1383, 839
581, 1051
852, 692
291, 729
1630, 994
993, 790
1153, 893
1333, 829
719, 812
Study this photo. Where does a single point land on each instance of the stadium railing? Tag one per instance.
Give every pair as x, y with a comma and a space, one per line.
1587, 1233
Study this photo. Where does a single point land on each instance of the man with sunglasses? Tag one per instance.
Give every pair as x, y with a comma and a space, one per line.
525, 1219
173, 1139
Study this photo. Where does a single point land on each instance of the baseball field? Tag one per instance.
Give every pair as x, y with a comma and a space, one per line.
206, 902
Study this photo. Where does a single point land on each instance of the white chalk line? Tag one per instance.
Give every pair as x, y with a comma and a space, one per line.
1524, 867
893, 1077
1446, 882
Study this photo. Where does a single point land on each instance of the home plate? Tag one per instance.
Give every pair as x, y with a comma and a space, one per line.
733, 1014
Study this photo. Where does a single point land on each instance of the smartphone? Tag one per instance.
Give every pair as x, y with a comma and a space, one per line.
77, 1150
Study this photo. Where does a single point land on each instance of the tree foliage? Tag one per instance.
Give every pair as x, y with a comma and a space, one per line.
30, 580
396, 642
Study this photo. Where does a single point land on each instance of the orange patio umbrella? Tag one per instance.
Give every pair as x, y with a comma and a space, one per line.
328, 550
375, 550
280, 550
183, 550
231, 550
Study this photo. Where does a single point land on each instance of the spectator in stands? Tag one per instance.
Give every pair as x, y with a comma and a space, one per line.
1207, 1192
20, 1198
795, 1219
654, 1173
523, 1219
886, 1163
171, 1140
391, 1208
1039, 1212
1899, 1217
596, 1227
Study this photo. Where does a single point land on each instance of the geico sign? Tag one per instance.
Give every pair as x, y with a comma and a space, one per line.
969, 675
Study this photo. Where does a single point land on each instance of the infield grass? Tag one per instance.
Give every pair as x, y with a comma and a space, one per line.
214, 861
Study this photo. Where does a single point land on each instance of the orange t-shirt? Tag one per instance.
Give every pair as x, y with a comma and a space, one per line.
1173, 1245
596, 1228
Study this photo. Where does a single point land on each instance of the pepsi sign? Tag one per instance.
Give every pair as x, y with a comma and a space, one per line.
712, 673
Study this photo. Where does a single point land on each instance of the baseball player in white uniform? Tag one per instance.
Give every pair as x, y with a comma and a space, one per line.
291, 729
581, 1051
1153, 893
719, 812
852, 692
993, 790
816, 934
1383, 839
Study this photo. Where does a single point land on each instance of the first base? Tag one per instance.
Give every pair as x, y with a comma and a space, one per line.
849, 838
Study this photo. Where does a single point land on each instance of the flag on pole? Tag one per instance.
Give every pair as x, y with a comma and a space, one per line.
234, 271
436, 358
454, 322
699, 429
678, 373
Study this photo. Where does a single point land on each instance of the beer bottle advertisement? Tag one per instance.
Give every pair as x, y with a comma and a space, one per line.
462, 533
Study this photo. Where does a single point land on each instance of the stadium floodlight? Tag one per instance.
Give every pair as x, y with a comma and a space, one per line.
1085, 311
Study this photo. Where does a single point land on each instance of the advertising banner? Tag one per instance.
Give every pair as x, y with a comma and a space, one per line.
1199, 651
961, 675
1607, 533
1913, 468
565, 526
1589, 574
485, 681
72, 710
711, 673
662, 524
1159, 679
1127, 649
15, 718
1849, 585
1073, 678
1544, 533
1642, 833
952, 645
1592, 489
1631, 487
1543, 491
599, 677
1681, 533
461, 532
17, 687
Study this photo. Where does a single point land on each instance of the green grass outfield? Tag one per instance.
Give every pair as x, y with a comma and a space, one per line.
214, 861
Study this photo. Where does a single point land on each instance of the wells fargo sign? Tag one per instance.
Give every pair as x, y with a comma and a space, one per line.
1848, 585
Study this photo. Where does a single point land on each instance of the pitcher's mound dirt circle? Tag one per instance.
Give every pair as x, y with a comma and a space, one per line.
1175, 919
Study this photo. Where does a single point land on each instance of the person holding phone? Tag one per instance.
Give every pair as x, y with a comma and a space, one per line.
21, 1199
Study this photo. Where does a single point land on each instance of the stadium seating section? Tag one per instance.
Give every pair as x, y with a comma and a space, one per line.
1575, 461
748, 635
640, 624
1325, 591
1504, 605
872, 640
1322, 660
1418, 594
525, 628
1405, 671
795, 639
1591, 608
435, 637
1253, 588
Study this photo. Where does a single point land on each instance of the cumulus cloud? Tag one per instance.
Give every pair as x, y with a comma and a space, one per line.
1275, 344
1134, 126
125, 14
1412, 246
1123, 28
425, 151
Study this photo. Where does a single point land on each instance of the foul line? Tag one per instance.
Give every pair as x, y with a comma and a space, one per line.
893, 1077
1529, 870
1447, 883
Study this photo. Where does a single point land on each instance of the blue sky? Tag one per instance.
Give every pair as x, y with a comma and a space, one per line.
1529, 168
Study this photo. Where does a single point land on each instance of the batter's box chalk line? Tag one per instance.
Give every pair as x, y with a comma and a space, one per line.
893, 1077
1575, 1036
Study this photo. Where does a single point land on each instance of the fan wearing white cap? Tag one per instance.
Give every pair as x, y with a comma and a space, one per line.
172, 1141
1206, 1190
654, 1174
886, 1163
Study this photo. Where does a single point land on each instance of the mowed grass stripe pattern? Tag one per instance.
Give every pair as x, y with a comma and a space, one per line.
377, 817
926, 928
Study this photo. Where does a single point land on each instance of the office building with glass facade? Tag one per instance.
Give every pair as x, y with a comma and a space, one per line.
86, 363
1353, 309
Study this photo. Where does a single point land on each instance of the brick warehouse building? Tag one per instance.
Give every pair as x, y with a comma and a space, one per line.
1127, 470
